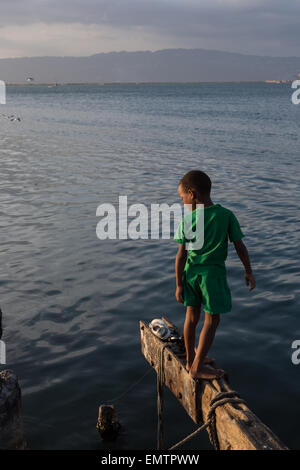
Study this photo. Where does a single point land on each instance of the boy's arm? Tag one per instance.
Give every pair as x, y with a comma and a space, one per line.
242, 252
179, 267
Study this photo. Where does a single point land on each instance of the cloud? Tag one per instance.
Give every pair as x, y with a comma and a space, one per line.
253, 26
72, 39
166, 13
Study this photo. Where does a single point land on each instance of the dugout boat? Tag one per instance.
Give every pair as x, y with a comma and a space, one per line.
211, 404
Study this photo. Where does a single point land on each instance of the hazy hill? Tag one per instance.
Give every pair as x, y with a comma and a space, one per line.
171, 65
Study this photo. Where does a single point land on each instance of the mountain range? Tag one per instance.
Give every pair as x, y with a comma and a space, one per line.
168, 65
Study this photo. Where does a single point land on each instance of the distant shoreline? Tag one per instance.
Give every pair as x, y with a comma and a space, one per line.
139, 67
267, 82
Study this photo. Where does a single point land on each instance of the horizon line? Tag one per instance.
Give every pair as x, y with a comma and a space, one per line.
267, 82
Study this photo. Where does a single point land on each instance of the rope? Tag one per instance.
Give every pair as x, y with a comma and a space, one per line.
186, 439
220, 399
130, 387
160, 397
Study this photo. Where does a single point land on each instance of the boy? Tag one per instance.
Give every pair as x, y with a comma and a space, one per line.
201, 273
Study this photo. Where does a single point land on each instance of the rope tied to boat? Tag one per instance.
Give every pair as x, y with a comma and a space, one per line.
160, 397
221, 399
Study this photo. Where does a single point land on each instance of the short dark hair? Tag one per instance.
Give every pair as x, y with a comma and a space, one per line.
196, 180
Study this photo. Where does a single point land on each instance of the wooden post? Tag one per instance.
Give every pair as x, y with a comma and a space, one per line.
108, 424
237, 427
0, 323
11, 423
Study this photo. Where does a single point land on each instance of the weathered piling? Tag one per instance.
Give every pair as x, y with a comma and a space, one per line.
11, 423
0, 323
108, 424
2, 344
236, 426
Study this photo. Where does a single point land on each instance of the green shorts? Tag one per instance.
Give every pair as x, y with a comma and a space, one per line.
206, 287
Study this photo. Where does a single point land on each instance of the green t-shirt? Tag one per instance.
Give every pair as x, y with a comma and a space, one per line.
220, 224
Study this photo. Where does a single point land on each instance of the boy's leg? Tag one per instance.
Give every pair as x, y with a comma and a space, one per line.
189, 331
198, 369
191, 320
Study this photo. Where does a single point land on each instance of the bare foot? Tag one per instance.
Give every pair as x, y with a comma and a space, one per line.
207, 360
207, 373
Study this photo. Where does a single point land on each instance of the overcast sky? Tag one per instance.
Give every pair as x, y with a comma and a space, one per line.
85, 27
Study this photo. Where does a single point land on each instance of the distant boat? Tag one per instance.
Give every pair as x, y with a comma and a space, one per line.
54, 84
30, 79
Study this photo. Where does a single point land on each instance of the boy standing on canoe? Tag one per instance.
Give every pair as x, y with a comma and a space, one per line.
201, 273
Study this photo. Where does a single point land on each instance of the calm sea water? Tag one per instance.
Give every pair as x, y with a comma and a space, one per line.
72, 303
